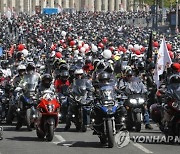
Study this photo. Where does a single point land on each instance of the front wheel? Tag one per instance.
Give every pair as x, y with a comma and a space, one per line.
102, 139
84, 128
138, 122
39, 134
50, 132
110, 136
28, 119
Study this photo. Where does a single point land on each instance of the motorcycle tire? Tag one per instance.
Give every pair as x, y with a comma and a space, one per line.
50, 133
138, 122
39, 134
78, 127
28, 119
102, 139
110, 136
11, 115
84, 128
129, 126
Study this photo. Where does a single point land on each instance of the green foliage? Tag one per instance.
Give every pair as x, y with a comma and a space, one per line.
167, 3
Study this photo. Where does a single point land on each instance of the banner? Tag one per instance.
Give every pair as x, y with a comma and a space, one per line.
163, 60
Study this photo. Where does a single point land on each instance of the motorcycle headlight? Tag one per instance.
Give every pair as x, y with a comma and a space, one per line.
141, 100
3, 99
176, 105
50, 108
133, 101
107, 103
78, 98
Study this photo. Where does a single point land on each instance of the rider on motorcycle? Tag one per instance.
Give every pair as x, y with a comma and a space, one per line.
128, 79
15, 83
29, 84
173, 85
151, 85
62, 80
46, 84
88, 67
79, 75
17, 78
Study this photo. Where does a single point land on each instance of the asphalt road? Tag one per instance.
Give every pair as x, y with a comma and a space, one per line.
25, 142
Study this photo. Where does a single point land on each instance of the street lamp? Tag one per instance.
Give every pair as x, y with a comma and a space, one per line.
177, 16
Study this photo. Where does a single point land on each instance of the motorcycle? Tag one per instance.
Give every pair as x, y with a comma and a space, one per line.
79, 105
134, 101
26, 105
167, 115
63, 98
47, 115
5, 95
3, 105
107, 116
26, 108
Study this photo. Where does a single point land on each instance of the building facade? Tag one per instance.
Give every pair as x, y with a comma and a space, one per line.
30, 6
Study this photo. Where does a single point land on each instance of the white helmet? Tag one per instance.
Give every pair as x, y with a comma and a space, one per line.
21, 67
78, 71
107, 54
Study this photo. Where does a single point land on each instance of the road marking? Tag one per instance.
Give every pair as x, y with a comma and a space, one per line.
60, 138
137, 145
63, 142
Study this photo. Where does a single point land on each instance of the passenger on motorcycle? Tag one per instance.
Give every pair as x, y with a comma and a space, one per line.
88, 67
62, 80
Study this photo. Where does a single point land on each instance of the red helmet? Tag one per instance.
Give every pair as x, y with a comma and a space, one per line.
176, 67
155, 112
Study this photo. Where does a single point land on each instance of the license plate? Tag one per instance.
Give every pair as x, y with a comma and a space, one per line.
1, 132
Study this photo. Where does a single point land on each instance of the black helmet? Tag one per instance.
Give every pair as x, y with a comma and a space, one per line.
4, 64
141, 65
88, 60
101, 65
125, 57
64, 74
174, 79
19, 55
129, 72
109, 68
1, 73
151, 66
46, 80
30, 66
95, 62
103, 76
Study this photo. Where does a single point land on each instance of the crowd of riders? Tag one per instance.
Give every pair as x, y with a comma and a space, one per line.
97, 47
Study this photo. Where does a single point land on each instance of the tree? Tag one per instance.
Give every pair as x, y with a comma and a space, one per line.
167, 3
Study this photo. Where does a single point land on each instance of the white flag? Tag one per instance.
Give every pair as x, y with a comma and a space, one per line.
163, 59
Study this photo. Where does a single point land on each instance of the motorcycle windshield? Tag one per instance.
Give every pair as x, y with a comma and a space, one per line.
174, 91
107, 92
48, 94
134, 88
64, 89
124, 64
79, 87
31, 82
